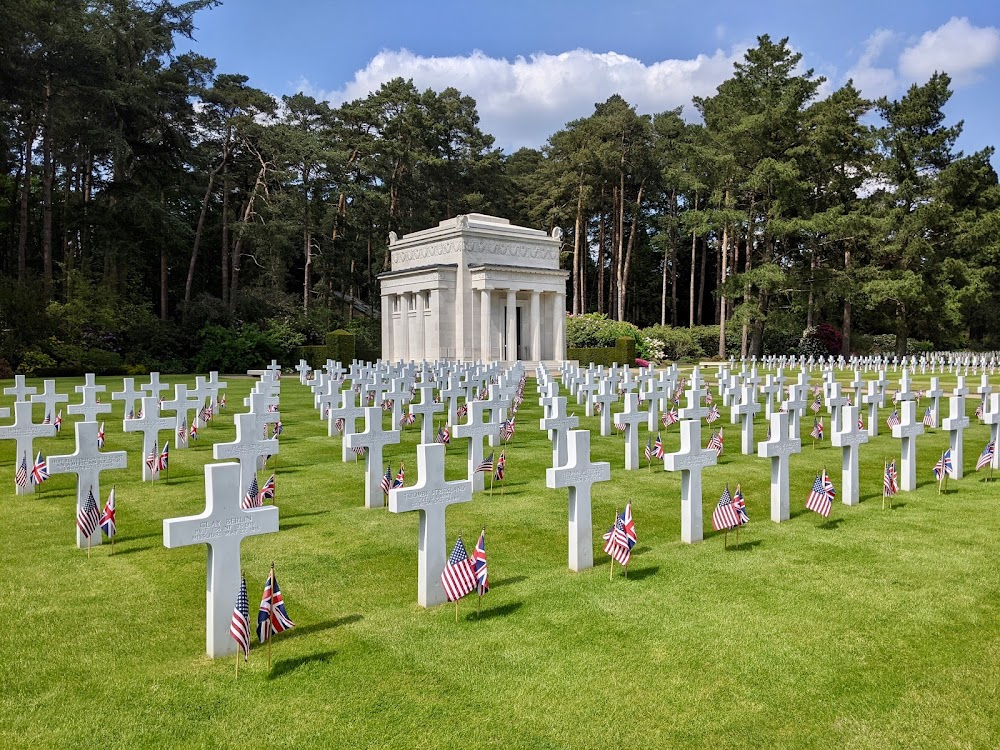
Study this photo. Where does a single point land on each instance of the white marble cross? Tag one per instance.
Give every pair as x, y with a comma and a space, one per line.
798, 395
24, 432
214, 385
579, 474
955, 424
247, 448
430, 496
183, 405
558, 425
87, 462
89, 379
150, 425
694, 408
631, 418
303, 369
50, 399
778, 448
374, 438
475, 429
835, 405
746, 409
350, 412
498, 404
274, 370
128, 395
873, 400
857, 385
771, 389
992, 418
451, 394
223, 526
934, 393
907, 431
427, 408
848, 438
154, 387
690, 460
89, 407
203, 392
19, 390
396, 393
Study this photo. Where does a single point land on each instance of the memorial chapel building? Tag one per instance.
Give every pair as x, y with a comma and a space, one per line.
474, 287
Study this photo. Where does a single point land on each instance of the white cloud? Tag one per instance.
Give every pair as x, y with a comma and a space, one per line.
957, 48
523, 101
871, 79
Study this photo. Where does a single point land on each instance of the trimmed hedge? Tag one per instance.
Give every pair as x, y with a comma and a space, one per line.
316, 356
340, 346
622, 353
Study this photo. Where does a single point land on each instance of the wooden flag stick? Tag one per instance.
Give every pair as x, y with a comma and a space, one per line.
479, 605
492, 477
270, 632
941, 478
725, 538
238, 663
885, 470
456, 610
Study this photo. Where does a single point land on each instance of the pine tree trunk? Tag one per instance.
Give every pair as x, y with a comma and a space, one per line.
224, 249
846, 328
199, 229
722, 277
577, 231
600, 256
47, 177
626, 264
701, 281
694, 261
22, 237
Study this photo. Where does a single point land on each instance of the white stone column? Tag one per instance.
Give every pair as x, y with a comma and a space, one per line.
535, 325
559, 321
433, 327
387, 341
511, 353
418, 352
484, 322
399, 340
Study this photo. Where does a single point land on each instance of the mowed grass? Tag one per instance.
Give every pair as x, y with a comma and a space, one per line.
873, 629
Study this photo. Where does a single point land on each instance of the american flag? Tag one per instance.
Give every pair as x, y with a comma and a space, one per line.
986, 457
206, 413
272, 617
658, 447
222, 401
88, 518
928, 417
443, 436
895, 397
819, 500
944, 466
486, 465
400, 477
501, 468
670, 418
267, 491
130, 415
889, 484
387, 479
153, 459
861, 422
479, 568
725, 515
139, 415
715, 443
21, 476
278, 429
387, 405
981, 408
621, 426
598, 407
816, 406
48, 418
408, 418
463, 410
615, 542
339, 424
817, 430
649, 449
100, 437
740, 504
239, 626
893, 419
507, 429
272, 408
108, 525
164, 458
708, 398
251, 499
59, 420
194, 431
458, 577
182, 431
359, 449
40, 471
713, 414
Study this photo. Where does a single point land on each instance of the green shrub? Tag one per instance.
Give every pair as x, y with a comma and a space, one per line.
623, 353
316, 356
666, 342
246, 348
35, 363
340, 346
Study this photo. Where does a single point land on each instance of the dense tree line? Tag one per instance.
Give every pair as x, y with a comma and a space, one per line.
149, 203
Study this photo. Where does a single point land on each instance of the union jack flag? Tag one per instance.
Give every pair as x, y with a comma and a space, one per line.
100, 437
507, 429
222, 401
981, 408
194, 431
501, 468
725, 515
400, 477
272, 617
58, 422
713, 414
740, 505
821, 496
658, 447
893, 419
206, 413
486, 465
252, 497
944, 466
21, 476
239, 626
164, 458
267, 491
463, 410
458, 577
278, 429
986, 457
716, 442
817, 431
479, 568
708, 398
890, 485
387, 405
40, 471
443, 436
861, 422
387, 479
670, 418
108, 525
88, 518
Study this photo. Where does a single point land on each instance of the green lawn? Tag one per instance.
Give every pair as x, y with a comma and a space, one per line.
875, 629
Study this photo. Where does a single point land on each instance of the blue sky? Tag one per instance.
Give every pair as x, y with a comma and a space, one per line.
532, 66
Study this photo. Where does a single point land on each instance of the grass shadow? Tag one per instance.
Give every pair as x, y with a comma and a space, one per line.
306, 514
747, 546
641, 574
502, 611
833, 523
285, 666
290, 526
132, 550
319, 627
508, 581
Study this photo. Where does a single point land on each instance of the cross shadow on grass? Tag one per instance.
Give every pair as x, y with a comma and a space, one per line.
319, 627
640, 574
502, 611
131, 550
508, 581
306, 514
285, 666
